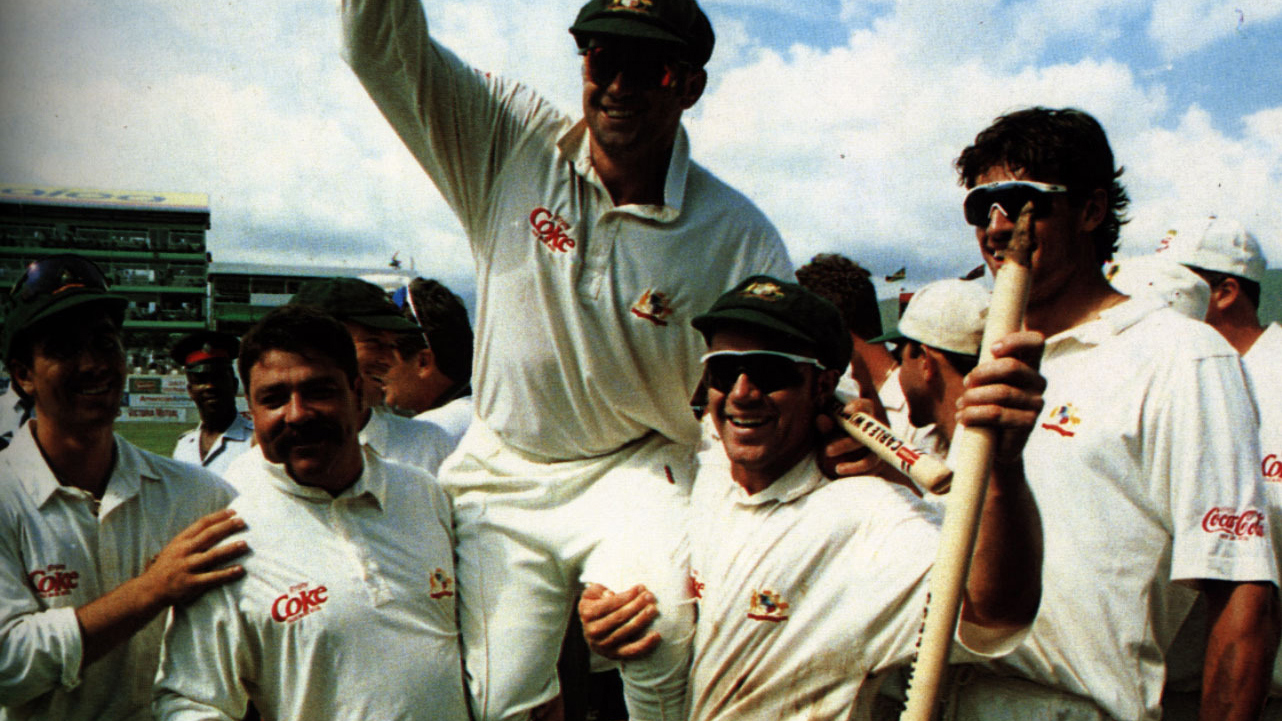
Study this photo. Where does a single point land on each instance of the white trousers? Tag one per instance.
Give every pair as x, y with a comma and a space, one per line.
530, 533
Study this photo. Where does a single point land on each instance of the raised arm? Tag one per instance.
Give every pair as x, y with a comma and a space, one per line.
459, 123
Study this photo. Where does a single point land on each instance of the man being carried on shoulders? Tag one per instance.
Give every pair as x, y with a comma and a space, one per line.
595, 240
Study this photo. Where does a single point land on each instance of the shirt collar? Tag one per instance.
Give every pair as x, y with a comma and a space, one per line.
797, 482
376, 432
240, 429
1110, 322
38, 480
372, 482
573, 145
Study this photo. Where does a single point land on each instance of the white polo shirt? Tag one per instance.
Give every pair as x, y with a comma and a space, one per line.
418, 444
583, 310
57, 553
346, 610
453, 418
238, 438
1263, 363
805, 589
1144, 468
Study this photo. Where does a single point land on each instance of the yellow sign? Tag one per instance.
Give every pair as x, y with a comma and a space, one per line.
87, 197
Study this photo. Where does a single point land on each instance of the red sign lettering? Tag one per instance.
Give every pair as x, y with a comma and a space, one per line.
54, 580
1272, 468
549, 229
1231, 524
291, 607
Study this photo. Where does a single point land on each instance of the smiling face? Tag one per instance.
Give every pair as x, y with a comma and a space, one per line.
77, 371
213, 389
628, 108
375, 357
1063, 252
765, 433
306, 416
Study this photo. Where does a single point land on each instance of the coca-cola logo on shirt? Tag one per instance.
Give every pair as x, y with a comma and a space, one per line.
1272, 468
549, 229
1233, 525
54, 580
298, 602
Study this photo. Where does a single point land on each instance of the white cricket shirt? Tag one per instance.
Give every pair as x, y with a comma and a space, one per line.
57, 554
1144, 468
453, 418
805, 589
346, 610
1263, 363
418, 444
238, 438
583, 308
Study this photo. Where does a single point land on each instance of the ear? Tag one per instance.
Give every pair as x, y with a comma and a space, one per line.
1224, 295
1094, 210
692, 89
358, 386
930, 361
22, 375
425, 362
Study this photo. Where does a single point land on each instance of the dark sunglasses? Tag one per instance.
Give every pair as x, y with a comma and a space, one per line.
57, 273
645, 71
767, 370
103, 339
1008, 197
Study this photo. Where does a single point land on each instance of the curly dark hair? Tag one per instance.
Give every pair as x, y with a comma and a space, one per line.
302, 329
847, 285
1065, 146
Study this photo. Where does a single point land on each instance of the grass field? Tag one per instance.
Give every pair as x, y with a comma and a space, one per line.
158, 437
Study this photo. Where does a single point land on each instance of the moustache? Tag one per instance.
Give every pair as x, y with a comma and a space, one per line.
309, 433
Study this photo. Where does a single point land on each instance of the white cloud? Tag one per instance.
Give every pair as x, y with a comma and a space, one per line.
848, 149
1180, 27
1195, 169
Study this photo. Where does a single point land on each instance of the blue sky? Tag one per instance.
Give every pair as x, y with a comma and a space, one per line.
839, 119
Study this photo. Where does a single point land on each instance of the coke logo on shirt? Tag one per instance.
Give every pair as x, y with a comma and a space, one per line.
1228, 522
549, 229
1271, 467
54, 580
299, 602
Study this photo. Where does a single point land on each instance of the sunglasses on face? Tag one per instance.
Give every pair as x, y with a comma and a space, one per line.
103, 339
1008, 198
50, 276
767, 370
642, 70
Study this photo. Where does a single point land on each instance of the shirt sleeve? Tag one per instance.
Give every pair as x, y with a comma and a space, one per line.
40, 649
460, 123
1204, 440
203, 658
